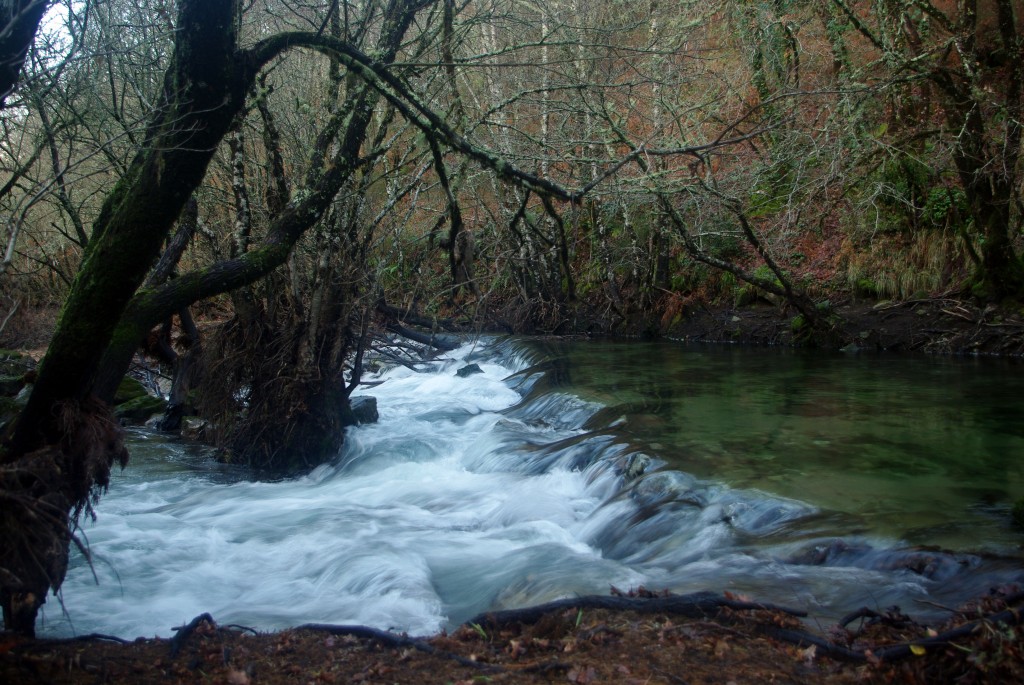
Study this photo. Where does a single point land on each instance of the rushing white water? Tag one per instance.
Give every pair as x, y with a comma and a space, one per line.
470, 494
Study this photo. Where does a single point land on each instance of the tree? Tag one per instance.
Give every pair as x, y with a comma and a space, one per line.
19, 20
970, 55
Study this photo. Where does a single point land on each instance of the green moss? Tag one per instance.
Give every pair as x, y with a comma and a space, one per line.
140, 408
128, 390
865, 287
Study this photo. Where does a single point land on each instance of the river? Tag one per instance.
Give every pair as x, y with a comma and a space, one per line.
821, 481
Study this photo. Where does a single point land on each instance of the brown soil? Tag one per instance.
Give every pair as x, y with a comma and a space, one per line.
570, 645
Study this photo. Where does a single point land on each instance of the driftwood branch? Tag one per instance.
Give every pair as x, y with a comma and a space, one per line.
437, 342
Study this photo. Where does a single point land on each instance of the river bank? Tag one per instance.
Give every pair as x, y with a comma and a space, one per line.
569, 645
939, 325
608, 641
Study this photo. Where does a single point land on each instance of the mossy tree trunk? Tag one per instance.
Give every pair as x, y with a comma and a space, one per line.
19, 21
973, 53
203, 89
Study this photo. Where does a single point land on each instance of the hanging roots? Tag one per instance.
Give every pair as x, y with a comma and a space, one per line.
41, 496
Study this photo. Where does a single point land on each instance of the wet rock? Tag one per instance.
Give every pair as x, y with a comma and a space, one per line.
634, 466
469, 370
364, 409
193, 428
667, 486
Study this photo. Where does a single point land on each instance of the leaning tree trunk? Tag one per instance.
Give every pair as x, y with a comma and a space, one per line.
65, 441
202, 93
19, 21
294, 416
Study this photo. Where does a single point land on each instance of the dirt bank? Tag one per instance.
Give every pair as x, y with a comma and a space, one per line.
937, 326
571, 645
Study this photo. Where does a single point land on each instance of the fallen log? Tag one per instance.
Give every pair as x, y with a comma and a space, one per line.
443, 343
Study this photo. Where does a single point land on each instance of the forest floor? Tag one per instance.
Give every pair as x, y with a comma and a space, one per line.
562, 646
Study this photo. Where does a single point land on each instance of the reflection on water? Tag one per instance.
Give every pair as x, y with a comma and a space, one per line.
825, 482
923, 449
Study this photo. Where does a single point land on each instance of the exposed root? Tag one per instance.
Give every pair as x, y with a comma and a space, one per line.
41, 496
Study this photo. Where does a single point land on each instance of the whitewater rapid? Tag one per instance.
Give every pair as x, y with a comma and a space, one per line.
490, 491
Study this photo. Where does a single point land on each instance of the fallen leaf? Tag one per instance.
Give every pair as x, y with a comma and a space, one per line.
236, 677
582, 676
918, 650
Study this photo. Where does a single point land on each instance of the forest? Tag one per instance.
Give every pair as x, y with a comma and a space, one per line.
252, 192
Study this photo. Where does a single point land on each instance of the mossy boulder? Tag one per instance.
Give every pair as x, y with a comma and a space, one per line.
14, 366
129, 389
139, 409
11, 385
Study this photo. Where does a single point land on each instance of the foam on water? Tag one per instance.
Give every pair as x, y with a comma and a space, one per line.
470, 494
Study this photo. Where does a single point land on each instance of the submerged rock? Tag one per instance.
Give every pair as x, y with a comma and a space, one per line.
667, 486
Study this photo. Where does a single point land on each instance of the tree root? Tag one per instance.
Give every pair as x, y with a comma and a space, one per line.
708, 604
383, 637
183, 632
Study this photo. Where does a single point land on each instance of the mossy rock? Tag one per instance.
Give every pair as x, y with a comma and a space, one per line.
138, 410
11, 385
128, 390
15, 364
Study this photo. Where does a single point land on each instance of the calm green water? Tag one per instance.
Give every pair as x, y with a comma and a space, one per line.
927, 450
